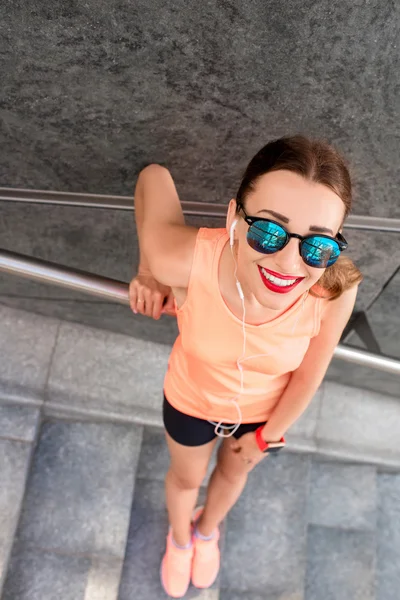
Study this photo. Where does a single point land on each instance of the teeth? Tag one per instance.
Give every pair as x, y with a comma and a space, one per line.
277, 280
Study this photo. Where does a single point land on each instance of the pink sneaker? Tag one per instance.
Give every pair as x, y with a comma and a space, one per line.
176, 569
206, 558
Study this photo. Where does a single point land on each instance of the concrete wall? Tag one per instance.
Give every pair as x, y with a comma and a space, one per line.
92, 90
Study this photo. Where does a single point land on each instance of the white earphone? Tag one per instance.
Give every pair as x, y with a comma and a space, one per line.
232, 234
231, 242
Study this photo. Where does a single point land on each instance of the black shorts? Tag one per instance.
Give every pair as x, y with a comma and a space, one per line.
191, 431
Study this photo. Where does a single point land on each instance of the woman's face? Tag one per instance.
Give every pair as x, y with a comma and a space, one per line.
297, 204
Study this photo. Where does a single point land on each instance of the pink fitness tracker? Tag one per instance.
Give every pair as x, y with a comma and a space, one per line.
267, 447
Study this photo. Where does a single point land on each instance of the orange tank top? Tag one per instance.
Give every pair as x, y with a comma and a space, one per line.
203, 375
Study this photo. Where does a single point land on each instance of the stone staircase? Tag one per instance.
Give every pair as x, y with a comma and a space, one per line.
83, 518
82, 463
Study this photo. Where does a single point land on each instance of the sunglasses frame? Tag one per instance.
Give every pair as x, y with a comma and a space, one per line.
339, 239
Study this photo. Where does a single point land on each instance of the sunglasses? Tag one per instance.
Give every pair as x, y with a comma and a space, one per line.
317, 250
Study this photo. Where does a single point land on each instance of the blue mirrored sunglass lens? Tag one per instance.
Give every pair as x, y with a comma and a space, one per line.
319, 251
266, 237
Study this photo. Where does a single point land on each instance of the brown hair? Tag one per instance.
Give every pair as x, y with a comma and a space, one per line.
317, 161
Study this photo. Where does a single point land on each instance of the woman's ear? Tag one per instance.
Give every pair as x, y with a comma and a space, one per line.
231, 214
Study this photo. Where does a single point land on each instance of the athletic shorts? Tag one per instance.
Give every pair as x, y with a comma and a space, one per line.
191, 431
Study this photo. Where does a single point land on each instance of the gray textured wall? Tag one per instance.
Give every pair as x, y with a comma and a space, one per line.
90, 91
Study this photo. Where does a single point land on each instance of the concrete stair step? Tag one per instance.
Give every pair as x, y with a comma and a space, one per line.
18, 431
342, 531
340, 564
71, 539
388, 539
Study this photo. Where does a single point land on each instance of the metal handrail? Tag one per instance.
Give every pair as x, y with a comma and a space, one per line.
199, 209
117, 291
73, 279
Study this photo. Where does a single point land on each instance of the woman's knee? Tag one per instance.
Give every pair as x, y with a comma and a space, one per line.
233, 474
186, 481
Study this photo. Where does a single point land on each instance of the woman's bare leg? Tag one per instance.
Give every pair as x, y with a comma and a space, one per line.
226, 484
184, 478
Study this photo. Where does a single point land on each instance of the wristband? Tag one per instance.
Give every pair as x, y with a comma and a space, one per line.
267, 447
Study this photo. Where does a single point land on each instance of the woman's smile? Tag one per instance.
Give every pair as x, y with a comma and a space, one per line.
278, 283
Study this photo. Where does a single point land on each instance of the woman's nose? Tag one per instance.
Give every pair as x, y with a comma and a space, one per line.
288, 259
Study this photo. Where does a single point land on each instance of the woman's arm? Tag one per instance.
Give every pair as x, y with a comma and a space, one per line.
166, 244
305, 381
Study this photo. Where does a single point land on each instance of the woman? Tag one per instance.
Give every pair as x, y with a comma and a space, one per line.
261, 306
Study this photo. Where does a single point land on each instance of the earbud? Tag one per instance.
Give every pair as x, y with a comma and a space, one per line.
231, 242
239, 288
232, 234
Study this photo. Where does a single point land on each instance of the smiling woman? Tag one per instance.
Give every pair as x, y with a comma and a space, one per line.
261, 305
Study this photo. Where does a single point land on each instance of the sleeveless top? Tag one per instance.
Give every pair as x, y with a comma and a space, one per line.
203, 375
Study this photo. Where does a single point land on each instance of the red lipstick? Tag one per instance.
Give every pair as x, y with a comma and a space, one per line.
282, 276
278, 288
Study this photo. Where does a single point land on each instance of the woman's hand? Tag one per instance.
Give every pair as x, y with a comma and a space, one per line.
247, 449
149, 297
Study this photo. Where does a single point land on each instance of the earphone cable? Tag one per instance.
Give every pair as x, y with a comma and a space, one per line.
223, 425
